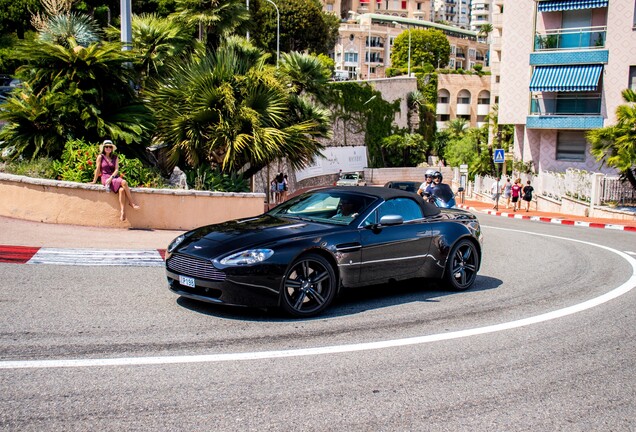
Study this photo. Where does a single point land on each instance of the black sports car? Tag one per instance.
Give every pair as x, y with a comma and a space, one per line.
300, 254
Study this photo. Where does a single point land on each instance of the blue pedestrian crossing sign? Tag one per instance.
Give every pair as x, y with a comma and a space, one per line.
499, 156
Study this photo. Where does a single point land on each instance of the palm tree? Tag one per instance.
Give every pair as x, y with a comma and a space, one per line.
156, 42
457, 126
73, 92
60, 29
616, 145
232, 111
215, 19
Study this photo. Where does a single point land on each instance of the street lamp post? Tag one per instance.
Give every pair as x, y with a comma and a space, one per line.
126, 24
277, 32
409, 63
369, 50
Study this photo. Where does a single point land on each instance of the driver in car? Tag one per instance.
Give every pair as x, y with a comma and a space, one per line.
348, 207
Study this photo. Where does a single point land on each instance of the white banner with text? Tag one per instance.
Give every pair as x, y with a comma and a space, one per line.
335, 159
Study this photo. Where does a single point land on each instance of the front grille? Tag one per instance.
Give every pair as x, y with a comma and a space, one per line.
194, 267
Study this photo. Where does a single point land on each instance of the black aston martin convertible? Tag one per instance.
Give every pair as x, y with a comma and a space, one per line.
301, 254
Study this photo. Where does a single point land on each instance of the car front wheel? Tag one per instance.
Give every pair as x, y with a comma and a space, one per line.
461, 266
309, 286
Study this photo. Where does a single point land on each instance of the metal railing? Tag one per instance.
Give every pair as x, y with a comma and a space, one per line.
615, 191
566, 105
564, 39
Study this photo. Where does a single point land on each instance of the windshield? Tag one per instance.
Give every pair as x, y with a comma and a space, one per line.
339, 208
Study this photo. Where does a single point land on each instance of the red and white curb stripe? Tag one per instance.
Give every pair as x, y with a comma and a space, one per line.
553, 220
82, 257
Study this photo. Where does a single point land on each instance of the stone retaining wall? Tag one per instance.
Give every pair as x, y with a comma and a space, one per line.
72, 203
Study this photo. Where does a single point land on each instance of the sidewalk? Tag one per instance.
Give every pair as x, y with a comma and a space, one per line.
538, 216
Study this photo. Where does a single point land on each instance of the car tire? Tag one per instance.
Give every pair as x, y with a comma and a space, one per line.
461, 266
309, 286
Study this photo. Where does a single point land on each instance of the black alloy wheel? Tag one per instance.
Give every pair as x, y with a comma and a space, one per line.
309, 286
461, 266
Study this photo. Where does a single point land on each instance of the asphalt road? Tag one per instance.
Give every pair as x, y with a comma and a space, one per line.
441, 361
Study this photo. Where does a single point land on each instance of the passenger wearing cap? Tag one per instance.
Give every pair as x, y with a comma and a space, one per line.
425, 188
107, 168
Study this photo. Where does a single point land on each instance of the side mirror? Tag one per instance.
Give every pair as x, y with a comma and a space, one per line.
389, 220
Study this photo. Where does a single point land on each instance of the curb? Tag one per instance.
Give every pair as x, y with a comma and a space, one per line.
584, 224
81, 257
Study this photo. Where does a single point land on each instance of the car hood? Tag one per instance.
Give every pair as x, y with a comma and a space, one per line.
220, 239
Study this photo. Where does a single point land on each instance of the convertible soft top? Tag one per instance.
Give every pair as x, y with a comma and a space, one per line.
384, 193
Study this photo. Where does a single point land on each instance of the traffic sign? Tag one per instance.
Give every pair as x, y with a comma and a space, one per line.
499, 156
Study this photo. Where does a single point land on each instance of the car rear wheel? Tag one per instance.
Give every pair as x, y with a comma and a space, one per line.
461, 266
309, 286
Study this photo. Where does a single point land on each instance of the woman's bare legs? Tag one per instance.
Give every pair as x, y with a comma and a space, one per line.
124, 185
122, 204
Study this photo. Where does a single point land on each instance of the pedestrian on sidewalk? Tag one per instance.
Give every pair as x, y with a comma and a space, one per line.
527, 194
515, 191
507, 191
495, 191
107, 169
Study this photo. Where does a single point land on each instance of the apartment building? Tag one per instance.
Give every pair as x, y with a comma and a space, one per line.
365, 41
563, 66
454, 12
480, 14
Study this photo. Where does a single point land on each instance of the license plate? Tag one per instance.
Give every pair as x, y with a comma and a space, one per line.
186, 281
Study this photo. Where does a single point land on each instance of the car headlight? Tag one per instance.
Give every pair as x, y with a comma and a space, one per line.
176, 242
246, 257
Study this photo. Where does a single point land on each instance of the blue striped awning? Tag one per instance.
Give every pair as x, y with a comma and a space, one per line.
565, 78
561, 5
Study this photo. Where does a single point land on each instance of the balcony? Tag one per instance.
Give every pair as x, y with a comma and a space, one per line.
443, 108
483, 109
463, 109
571, 39
566, 104
565, 111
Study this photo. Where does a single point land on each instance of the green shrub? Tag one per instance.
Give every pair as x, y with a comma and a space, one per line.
205, 178
78, 164
38, 168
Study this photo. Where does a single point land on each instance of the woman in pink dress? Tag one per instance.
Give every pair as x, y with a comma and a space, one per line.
107, 167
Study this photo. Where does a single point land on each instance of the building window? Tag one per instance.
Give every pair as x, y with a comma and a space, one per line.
451, 63
403, 5
453, 49
632, 78
443, 117
351, 57
459, 65
497, 78
471, 53
571, 146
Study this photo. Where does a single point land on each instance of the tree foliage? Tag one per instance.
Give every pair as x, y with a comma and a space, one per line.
615, 145
15, 16
73, 92
304, 26
232, 111
428, 46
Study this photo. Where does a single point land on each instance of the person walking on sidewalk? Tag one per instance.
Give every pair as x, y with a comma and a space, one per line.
495, 191
527, 195
507, 191
107, 168
515, 191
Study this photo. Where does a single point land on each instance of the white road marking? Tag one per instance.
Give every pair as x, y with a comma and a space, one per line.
631, 253
209, 358
97, 257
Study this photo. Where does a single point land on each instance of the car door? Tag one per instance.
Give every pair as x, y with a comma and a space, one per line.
397, 251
